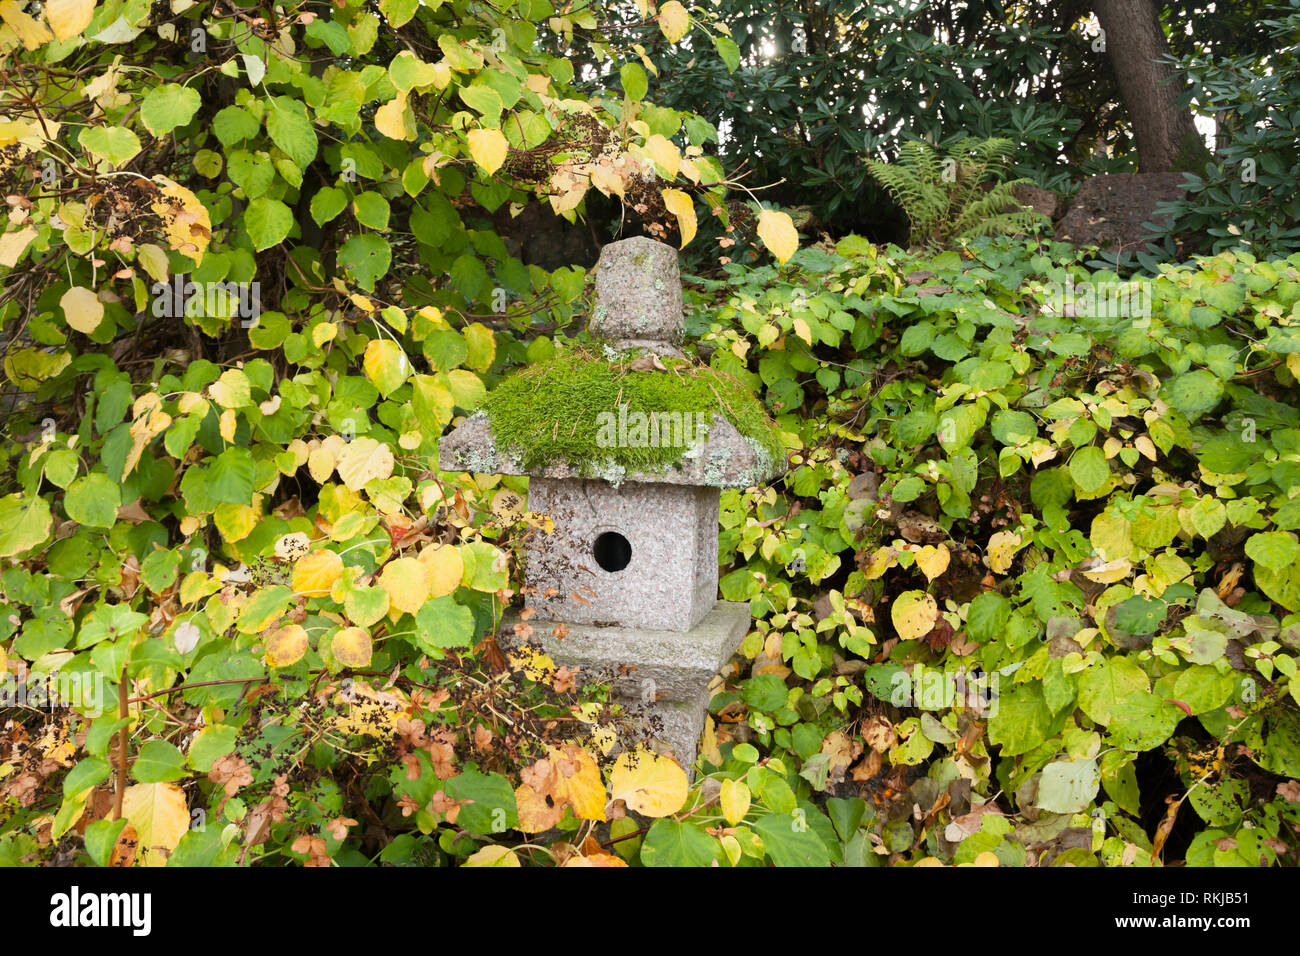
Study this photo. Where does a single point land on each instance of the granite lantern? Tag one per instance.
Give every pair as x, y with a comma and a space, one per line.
626, 450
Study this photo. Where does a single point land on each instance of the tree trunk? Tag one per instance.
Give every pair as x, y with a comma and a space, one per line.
1166, 136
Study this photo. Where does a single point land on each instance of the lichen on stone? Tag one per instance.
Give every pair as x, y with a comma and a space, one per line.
568, 408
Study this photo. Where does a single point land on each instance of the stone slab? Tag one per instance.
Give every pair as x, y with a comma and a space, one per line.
680, 665
725, 459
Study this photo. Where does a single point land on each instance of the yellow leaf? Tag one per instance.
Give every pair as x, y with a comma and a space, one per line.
1111, 536
1293, 363
537, 667
320, 464
4, 661
286, 646
933, 561
236, 522
987, 858
777, 232
593, 859
315, 573
602, 177
914, 614
882, 559
664, 152
160, 816
82, 308
928, 861
1110, 572
385, 365
14, 244
493, 856
680, 205
352, 647
68, 17
323, 332
1002, 551
567, 776
407, 582
1147, 447
370, 711
390, 119
735, 800
364, 459
189, 228
31, 32
232, 389
488, 147
674, 21
801, 329
507, 505
650, 784
227, 424
445, 568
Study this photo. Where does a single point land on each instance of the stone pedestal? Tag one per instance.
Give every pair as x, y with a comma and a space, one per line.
672, 668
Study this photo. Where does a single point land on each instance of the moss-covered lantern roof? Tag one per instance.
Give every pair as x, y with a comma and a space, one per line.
636, 410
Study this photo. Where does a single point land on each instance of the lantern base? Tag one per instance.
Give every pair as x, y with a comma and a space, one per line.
671, 668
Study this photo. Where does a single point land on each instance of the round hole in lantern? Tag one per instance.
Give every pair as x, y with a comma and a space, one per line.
612, 551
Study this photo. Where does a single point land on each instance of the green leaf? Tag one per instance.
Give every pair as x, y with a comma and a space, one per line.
101, 838
1104, 686
1273, 550
268, 222
93, 500
672, 843
157, 762
24, 523
1021, 722
790, 840
367, 258
372, 210
231, 477
210, 744
728, 50
1068, 786
115, 144
169, 106
289, 129
328, 202
987, 617
1195, 393
1203, 689
86, 774
634, 80
234, 124
365, 605
468, 275
493, 807
484, 99
1089, 468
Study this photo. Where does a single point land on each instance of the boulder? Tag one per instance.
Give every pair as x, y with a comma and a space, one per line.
1110, 210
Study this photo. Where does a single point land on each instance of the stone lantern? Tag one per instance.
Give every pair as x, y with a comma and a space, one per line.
631, 567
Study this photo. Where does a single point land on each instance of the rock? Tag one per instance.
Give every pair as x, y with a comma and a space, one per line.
1042, 201
865, 485
1109, 210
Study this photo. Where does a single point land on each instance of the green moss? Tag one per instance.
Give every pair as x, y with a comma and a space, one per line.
568, 408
